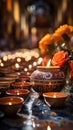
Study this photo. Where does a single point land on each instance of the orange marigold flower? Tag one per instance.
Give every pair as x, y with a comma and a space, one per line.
46, 39
71, 28
56, 37
64, 29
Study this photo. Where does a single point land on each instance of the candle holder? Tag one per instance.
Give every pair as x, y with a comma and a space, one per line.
47, 79
11, 105
55, 99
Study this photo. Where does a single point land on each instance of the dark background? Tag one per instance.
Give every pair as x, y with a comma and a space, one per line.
45, 17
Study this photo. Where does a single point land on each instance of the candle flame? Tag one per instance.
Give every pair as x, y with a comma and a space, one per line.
18, 59
54, 96
48, 127
1, 64
49, 63
17, 65
10, 103
25, 69
30, 66
34, 63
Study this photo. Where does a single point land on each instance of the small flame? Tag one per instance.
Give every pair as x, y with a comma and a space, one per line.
49, 63
30, 66
1, 64
54, 96
10, 103
18, 59
17, 65
48, 127
25, 69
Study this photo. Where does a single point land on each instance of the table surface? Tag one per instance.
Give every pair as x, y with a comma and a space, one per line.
43, 117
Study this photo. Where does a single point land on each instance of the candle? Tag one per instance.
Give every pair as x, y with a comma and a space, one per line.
17, 65
54, 96
34, 64
25, 69
0, 60
1, 64
30, 66
49, 63
5, 58
10, 103
39, 60
48, 127
18, 59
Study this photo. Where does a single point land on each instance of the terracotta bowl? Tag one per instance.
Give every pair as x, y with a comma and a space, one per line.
24, 78
18, 92
55, 98
25, 85
11, 105
12, 75
7, 79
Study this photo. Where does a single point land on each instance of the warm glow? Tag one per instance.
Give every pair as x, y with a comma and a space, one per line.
1, 64
33, 30
5, 58
17, 65
9, 57
18, 93
28, 58
30, 66
10, 103
49, 63
16, 11
18, 59
48, 127
28, 73
54, 96
34, 63
0, 60
40, 60
9, 5
25, 69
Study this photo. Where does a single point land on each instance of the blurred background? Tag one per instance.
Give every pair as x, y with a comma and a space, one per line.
24, 22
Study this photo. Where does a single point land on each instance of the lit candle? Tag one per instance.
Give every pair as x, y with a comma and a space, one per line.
18, 93
25, 69
0, 60
49, 63
54, 96
10, 103
5, 58
48, 127
17, 65
18, 59
40, 60
34, 63
1, 64
30, 66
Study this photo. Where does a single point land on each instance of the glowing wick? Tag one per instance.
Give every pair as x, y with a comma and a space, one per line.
30, 66
1, 64
25, 69
49, 63
34, 63
10, 103
18, 59
48, 127
54, 96
17, 65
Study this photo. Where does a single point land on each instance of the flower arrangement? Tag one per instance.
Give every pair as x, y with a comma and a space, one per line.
57, 40
59, 47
